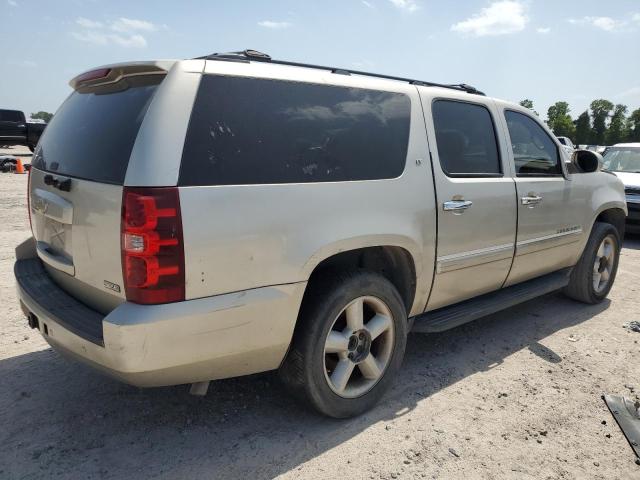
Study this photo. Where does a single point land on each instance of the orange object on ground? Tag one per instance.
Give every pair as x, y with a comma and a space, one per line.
20, 167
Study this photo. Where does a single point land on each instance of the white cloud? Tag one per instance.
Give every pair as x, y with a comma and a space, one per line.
636, 17
86, 23
274, 25
102, 38
499, 18
367, 4
129, 24
406, 5
543, 30
127, 32
607, 24
12, 3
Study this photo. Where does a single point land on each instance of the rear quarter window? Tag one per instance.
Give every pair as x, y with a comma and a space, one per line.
92, 134
258, 131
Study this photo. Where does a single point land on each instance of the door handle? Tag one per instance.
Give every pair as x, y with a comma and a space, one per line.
531, 200
456, 206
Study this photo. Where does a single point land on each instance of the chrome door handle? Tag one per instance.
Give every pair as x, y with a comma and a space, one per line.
531, 200
456, 206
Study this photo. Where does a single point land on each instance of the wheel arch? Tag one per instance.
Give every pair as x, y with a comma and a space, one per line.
394, 262
613, 214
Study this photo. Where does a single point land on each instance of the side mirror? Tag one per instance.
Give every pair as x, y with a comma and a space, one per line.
587, 160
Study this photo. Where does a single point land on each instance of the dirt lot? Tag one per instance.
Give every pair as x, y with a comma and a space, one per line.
516, 395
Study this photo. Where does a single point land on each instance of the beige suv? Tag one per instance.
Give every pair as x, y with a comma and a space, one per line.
201, 219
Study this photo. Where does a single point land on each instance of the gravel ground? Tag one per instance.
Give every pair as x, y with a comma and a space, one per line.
516, 395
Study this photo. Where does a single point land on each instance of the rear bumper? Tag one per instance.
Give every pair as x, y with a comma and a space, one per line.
155, 345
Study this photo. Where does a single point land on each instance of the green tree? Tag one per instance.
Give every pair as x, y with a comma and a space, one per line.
526, 103
600, 110
633, 127
559, 120
616, 132
42, 115
583, 128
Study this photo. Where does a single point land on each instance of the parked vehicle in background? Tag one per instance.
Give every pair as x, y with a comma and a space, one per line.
623, 159
16, 130
567, 144
234, 214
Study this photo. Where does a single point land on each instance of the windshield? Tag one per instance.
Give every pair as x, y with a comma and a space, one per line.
622, 159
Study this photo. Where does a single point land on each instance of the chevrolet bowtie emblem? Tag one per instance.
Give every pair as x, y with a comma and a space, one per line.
40, 205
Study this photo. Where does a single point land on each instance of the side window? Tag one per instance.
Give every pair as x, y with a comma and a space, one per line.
534, 152
466, 139
259, 131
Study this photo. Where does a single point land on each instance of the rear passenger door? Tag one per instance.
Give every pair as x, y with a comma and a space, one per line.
476, 200
549, 230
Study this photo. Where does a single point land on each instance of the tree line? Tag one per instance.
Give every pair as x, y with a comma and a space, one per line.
603, 123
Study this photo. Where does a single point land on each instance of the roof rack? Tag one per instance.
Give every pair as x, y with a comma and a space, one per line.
254, 55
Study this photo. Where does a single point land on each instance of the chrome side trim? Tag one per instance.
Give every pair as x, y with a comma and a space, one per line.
457, 261
547, 241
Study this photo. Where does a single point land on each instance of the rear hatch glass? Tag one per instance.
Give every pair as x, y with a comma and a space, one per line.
91, 136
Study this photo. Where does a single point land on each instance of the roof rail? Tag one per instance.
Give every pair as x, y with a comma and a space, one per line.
254, 55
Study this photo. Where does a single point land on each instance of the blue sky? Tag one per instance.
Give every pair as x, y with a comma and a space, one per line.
540, 49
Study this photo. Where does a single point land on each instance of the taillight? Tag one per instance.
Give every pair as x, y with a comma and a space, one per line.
152, 245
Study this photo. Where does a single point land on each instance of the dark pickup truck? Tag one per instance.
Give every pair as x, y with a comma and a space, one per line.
15, 130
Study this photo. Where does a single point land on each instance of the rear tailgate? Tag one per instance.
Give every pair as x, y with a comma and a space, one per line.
77, 182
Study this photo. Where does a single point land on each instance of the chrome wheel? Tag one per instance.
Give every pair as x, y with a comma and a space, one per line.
358, 347
603, 265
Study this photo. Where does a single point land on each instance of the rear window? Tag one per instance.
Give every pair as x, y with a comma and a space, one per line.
257, 131
92, 134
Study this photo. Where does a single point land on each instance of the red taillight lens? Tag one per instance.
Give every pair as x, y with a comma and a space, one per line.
152, 245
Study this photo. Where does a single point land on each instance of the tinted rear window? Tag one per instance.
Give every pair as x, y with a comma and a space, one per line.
92, 134
257, 131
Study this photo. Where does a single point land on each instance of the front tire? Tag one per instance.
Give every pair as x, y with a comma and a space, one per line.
348, 345
593, 276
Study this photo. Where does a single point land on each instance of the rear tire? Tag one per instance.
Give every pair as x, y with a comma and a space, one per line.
348, 345
593, 276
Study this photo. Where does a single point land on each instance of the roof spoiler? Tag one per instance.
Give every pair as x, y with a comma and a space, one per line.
110, 74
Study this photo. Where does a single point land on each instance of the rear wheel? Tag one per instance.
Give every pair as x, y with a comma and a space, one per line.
348, 345
593, 276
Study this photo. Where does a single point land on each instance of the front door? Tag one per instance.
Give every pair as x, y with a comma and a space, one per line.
476, 200
548, 227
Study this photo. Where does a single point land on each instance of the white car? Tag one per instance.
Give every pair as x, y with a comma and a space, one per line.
623, 159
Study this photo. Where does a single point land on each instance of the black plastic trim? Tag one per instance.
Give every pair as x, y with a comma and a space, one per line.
460, 313
65, 310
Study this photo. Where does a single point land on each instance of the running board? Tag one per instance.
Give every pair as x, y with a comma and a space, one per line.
454, 315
